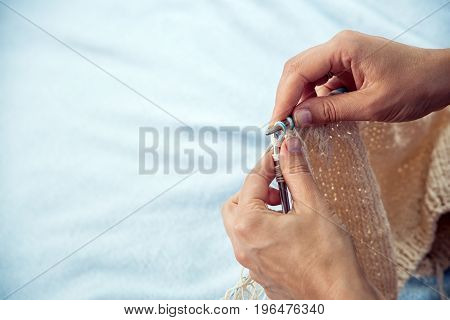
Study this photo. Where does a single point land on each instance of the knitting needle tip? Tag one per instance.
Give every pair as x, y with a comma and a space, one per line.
272, 130
287, 123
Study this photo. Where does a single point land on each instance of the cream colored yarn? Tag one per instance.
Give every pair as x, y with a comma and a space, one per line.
412, 164
389, 185
245, 289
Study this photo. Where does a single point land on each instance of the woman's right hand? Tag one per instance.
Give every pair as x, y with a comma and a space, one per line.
389, 81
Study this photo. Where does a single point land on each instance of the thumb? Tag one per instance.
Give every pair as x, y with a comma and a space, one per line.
296, 172
351, 106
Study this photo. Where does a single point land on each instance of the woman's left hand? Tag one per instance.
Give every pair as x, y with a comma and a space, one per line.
301, 255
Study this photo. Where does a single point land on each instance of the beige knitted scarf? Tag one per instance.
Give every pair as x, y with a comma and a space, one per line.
389, 184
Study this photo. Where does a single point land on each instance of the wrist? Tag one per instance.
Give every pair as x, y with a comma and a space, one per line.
437, 78
357, 289
355, 286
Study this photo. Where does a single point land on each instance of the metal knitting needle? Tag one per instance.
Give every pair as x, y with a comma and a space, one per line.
278, 131
277, 139
283, 125
282, 187
289, 123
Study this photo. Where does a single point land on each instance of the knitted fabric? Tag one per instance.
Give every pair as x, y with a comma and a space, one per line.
390, 186
340, 166
412, 164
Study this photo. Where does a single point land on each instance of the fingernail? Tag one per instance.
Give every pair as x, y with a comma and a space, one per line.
303, 118
294, 145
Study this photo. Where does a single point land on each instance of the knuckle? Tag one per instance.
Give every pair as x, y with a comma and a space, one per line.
289, 66
329, 112
296, 166
243, 228
241, 257
225, 208
344, 35
300, 168
258, 172
347, 43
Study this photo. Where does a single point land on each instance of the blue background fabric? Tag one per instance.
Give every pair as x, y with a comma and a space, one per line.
69, 132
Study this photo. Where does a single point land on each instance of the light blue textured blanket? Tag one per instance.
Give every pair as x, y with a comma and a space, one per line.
69, 131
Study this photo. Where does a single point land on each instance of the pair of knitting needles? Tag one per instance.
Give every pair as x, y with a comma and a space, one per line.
278, 132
